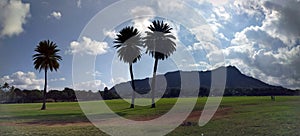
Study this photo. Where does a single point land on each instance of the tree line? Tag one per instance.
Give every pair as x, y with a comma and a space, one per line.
10, 94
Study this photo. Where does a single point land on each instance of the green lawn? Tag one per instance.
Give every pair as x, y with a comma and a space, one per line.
236, 116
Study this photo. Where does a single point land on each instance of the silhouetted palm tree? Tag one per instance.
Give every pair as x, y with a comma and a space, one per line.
5, 85
129, 43
46, 58
160, 45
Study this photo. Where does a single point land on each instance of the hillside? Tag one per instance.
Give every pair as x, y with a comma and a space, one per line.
237, 83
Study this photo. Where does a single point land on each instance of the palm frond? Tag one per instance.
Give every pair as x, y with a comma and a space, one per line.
128, 43
47, 56
159, 41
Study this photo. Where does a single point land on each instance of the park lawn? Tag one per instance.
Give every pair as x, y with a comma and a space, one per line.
236, 116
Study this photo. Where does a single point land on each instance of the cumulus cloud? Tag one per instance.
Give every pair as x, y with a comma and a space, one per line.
57, 79
94, 73
142, 16
13, 15
282, 20
55, 14
117, 80
280, 17
269, 51
221, 13
111, 34
250, 7
88, 46
78, 3
23, 80
90, 85
260, 37
169, 7
218, 2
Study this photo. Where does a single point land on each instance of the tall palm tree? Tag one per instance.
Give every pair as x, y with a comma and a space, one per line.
129, 43
46, 58
160, 45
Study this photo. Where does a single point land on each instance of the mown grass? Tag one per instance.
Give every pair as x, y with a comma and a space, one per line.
246, 116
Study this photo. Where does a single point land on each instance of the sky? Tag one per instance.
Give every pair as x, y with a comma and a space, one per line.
260, 37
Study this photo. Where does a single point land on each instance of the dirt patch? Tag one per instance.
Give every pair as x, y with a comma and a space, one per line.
47, 123
8, 124
58, 123
220, 113
190, 121
250, 104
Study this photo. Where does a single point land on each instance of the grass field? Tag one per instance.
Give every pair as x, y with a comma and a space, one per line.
235, 116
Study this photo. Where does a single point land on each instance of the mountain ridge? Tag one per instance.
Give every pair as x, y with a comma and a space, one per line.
235, 80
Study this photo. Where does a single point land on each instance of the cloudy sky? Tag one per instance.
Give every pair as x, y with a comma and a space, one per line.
260, 37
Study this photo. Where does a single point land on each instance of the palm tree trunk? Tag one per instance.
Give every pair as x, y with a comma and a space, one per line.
132, 85
153, 83
272, 97
45, 91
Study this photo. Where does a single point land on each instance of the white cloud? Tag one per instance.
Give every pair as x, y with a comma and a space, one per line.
78, 3
282, 20
219, 2
269, 51
222, 14
260, 37
168, 7
250, 7
13, 15
203, 65
118, 80
111, 34
23, 80
142, 16
90, 85
57, 79
88, 46
55, 14
265, 57
94, 73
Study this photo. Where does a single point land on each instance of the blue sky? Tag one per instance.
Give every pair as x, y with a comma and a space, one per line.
260, 37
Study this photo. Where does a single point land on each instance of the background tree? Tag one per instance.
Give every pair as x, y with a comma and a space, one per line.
55, 95
46, 58
5, 86
129, 43
69, 94
160, 45
105, 94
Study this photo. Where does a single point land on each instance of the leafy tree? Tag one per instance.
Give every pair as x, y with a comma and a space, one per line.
55, 95
5, 92
2, 96
160, 45
105, 93
31, 96
69, 94
11, 95
19, 95
129, 43
46, 58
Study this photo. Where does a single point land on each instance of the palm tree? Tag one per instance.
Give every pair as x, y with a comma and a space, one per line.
129, 43
46, 58
5, 85
160, 45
